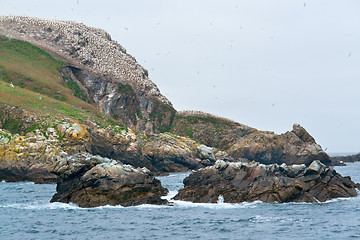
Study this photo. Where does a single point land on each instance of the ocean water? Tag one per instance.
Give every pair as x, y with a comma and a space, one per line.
25, 213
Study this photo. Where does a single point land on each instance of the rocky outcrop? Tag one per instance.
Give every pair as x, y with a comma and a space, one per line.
342, 160
26, 158
209, 129
248, 182
92, 181
292, 147
111, 78
242, 142
161, 153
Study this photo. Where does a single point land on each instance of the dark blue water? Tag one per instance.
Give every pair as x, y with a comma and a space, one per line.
25, 213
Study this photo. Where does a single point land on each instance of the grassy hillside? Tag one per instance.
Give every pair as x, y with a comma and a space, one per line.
31, 78
209, 130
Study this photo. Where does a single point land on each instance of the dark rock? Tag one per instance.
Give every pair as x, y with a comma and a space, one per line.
243, 142
247, 182
341, 160
293, 147
37, 173
92, 181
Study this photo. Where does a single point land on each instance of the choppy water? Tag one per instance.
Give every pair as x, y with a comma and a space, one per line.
25, 213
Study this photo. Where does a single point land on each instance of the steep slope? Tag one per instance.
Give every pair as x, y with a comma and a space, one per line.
112, 79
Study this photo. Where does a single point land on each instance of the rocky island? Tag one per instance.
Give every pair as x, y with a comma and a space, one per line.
248, 182
78, 110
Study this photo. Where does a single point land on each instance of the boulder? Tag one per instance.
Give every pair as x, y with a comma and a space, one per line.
92, 181
248, 182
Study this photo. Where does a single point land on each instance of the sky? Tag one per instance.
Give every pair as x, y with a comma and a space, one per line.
264, 63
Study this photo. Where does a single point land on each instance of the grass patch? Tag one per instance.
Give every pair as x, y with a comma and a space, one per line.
125, 89
77, 91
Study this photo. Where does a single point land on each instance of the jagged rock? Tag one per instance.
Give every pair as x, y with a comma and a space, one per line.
92, 181
243, 143
293, 147
247, 182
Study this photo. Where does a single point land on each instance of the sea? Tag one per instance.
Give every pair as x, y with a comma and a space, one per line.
26, 213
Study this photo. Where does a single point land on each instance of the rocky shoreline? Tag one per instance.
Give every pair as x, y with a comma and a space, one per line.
128, 132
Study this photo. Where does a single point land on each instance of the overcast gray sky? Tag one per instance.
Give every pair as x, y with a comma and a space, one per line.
264, 63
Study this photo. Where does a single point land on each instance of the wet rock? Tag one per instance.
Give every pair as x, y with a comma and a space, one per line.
92, 181
247, 182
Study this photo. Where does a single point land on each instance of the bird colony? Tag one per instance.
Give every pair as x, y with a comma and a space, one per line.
92, 47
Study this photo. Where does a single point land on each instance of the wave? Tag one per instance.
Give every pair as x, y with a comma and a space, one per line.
186, 204
41, 206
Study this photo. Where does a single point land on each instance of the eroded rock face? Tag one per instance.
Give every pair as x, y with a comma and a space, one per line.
247, 182
92, 181
161, 153
293, 147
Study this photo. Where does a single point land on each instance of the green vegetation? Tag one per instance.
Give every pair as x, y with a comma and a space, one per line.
208, 130
77, 91
12, 125
39, 87
125, 89
162, 116
139, 113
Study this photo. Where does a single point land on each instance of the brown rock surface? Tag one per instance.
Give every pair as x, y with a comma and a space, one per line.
92, 181
247, 182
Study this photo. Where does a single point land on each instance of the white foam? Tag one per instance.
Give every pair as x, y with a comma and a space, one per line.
170, 195
185, 204
261, 219
42, 206
109, 206
220, 199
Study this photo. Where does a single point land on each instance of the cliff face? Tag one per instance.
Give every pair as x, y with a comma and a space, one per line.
111, 78
244, 143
